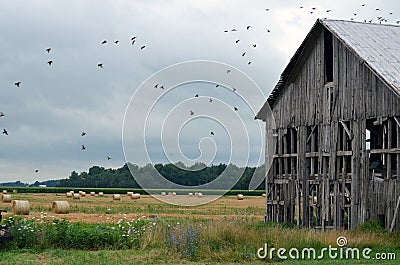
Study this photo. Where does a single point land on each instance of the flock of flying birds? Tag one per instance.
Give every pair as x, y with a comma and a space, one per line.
380, 18
18, 84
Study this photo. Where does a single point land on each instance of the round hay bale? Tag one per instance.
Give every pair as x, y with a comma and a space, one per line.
101, 193
174, 194
163, 193
80, 192
15, 191
200, 195
116, 197
129, 193
60, 207
83, 194
20, 207
72, 192
77, 196
239, 197
6, 198
69, 194
135, 196
264, 195
190, 194
4, 191
92, 193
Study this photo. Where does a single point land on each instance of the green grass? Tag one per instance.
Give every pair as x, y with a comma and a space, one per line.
181, 241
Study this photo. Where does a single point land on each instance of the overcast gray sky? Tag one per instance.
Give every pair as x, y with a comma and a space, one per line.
46, 114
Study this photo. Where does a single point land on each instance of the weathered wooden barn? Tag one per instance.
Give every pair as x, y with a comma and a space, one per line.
336, 158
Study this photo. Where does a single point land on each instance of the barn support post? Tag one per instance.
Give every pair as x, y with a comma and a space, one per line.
355, 178
302, 174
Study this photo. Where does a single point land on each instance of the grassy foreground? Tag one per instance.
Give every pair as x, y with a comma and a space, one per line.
179, 241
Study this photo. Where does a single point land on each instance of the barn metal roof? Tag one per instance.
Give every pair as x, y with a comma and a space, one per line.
378, 45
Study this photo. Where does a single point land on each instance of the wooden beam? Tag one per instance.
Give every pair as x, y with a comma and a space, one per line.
397, 121
348, 131
395, 215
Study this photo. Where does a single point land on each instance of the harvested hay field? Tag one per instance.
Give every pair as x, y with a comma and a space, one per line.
103, 209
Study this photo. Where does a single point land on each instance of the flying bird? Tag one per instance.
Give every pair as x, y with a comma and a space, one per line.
267, 9
329, 10
36, 170
237, 41
363, 5
1, 114
83, 148
216, 85
212, 133
249, 63
133, 42
233, 29
243, 54
142, 47
48, 50
100, 65
156, 86
226, 31
210, 100
17, 83
116, 42
233, 89
108, 158
5, 132
254, 45
191, 113
83, 133
228, 71
104, 42
268, 30
162, 87
236, 109
248, 27
49, 62
196, 96
133, 38
377, 9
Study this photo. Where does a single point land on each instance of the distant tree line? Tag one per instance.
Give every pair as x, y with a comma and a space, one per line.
197, 174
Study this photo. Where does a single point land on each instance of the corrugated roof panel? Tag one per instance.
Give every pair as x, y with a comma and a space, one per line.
378, 45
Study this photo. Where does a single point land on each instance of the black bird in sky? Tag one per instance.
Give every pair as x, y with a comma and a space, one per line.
236, 109
5, 132
83, 148
226, 31
212, 133
108, 158
233, 89
1, 114
237, 41
191, 113
249, 63
83, 133
49, 62
233, 29
156, 86
48, 50
267, 9
133, 42
17, 83
243, 54
133, 38
228, 71
162, 87
196, 96
254, 45
210, 100
36, 170
248, 27
104, 42
216, 85
142, 47
268, 30
100, 65
116, 42
363, 5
